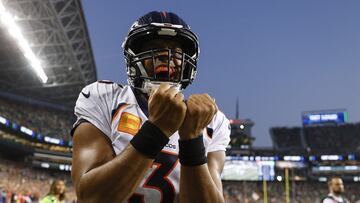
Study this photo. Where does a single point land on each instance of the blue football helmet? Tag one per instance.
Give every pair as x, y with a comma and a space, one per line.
161, 26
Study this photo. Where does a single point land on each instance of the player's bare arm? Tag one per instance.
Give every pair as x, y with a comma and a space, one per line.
216, 161
95, 163
203, 183
97, 174
200, 183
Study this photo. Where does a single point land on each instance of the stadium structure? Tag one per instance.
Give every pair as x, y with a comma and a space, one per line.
56, 33
303, 158
46, 59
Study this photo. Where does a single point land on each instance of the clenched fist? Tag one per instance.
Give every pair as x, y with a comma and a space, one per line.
167, 109
201, 109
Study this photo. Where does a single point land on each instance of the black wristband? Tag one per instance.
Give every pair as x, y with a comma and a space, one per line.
150, 140
192, 152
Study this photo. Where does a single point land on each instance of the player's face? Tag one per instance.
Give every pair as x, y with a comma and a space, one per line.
165, 64
337, 186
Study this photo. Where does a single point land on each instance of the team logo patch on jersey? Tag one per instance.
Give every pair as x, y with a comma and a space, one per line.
129, 123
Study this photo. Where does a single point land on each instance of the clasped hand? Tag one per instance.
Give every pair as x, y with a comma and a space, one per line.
170, 112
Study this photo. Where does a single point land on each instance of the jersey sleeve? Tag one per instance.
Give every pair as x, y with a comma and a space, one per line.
221, 133
94, 105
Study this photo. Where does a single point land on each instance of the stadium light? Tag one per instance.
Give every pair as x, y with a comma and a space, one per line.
8, 20
45, 165
322, 179
3, 120
26, 131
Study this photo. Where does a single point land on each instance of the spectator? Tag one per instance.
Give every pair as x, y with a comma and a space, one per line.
56, 193
31, 184
45, 120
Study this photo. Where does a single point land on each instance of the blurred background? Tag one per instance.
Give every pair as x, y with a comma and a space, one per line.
284, 147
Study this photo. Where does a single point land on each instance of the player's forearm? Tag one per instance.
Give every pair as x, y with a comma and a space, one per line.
197, 185
116, 180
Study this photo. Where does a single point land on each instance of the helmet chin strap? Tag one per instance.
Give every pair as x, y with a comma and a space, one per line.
148, 86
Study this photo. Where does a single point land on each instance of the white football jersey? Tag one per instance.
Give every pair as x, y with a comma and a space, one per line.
115, 111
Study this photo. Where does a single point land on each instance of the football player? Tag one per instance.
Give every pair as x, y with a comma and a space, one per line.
144, 142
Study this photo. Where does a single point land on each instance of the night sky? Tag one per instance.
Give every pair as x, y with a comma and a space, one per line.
278, 58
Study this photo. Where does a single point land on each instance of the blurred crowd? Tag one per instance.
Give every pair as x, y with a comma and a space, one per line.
333, 138
19, 140
287, 137
300, 192
22, 184
324, 139
47, 121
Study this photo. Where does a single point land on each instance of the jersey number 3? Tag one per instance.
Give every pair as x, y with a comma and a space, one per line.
165, 163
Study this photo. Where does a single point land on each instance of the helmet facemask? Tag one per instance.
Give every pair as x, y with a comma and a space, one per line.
148, 69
